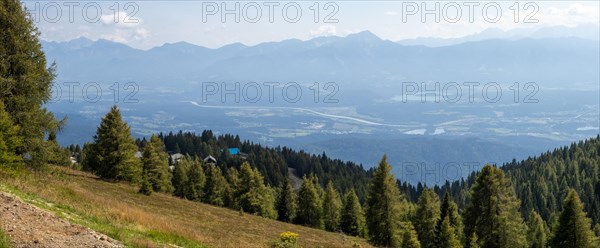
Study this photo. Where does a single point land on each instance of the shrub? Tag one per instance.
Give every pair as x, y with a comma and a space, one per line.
286, 240
289, 237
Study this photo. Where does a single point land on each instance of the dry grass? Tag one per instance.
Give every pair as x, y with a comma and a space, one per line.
157, 220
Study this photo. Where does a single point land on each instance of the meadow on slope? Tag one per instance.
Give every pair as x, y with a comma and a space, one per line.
117, 210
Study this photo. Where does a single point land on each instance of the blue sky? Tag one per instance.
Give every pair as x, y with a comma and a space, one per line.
157, 22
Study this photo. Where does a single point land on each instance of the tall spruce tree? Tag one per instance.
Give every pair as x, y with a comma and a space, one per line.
180, 178
449, 209
332, 205
493, 211
113, 151
285, 202
574, 228
25, 82
536, 231
309, 211
383, 207
156, 165
352, 220
426, 217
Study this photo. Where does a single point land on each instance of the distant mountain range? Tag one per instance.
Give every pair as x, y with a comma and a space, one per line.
589, 31
552, 56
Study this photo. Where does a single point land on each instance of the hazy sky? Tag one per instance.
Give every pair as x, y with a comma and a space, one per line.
145, 24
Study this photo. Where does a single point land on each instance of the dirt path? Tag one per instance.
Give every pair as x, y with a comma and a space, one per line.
29, 226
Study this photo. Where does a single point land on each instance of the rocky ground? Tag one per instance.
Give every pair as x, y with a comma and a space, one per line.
29, 226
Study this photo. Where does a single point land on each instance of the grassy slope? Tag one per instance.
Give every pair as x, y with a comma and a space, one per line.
4, 242
118, 211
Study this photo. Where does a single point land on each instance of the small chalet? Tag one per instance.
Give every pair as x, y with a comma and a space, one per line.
176, 157
210, 160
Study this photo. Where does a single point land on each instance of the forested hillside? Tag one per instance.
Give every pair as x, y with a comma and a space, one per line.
542, 182
272, 163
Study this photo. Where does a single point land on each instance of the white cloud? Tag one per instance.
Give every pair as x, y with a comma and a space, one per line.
127, 36
572, 15
326, 30
121, 19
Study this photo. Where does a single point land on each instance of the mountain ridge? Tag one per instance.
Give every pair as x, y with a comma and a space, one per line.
354, 58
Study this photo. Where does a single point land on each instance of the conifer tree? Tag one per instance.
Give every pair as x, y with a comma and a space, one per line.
536, 231
493, 211
196, 179
78, 151
574, 228
216, 187
332, 205
383, 207
254, 196
447, 238
156, 165
426, 217
25, 82
180, 179
285, 202
113, 151
309, 211
233, 180
56, 154
410, 239
474, 241
352, 218
449, 209
145, 186
9, 139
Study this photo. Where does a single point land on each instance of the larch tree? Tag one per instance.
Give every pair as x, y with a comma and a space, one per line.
216, 187
196, 179
233, 179
493, 211
410, 238
309, 207
574, 227
352, 220
25, 83
180, 178
9, 139
113, 150
145, 186
474, 241
254, 195
332, 205
156, 165
536, 231
446, 237
383, 211
426, 217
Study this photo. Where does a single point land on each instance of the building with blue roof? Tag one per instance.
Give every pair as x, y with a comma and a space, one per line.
234, 151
